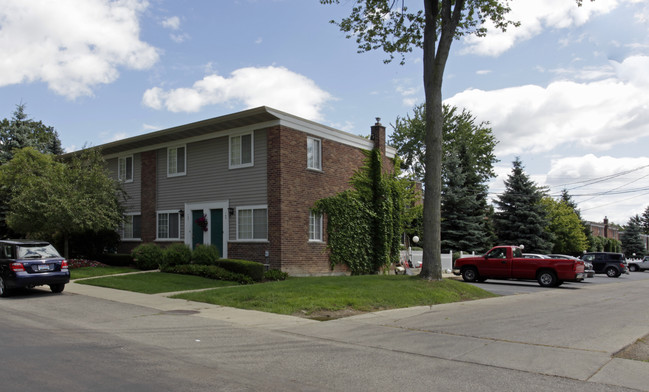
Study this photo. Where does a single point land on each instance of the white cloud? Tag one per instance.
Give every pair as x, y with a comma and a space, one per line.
603, 185
596, 115
172, 23
276, 87
71, 45
534, 17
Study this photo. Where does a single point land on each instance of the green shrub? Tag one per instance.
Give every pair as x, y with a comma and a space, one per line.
250, 268
205, 254
147, 256
275, 275
176, 254
208, 271
115, 259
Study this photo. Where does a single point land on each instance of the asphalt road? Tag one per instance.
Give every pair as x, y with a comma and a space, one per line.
94, 339
512, 287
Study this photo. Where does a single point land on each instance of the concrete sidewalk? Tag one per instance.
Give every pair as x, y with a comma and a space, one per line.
559, 333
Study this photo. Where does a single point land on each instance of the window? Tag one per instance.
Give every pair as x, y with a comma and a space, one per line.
176, 161
241, 151
252, 223
125, 169
313, 154
315, 226
169, 225
132, 229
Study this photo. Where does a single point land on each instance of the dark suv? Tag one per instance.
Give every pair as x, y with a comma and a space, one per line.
27, 263
611, 264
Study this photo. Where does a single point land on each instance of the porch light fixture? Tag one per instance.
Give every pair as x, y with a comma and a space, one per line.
181, 212
231, 211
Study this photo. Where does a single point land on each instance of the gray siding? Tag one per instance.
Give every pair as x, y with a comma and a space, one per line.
209, 179
133, 189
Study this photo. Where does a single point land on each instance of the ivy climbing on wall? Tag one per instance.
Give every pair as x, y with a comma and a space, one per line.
364, 224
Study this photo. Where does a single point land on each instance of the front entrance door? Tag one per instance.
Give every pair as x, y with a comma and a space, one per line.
216, 229
198, 236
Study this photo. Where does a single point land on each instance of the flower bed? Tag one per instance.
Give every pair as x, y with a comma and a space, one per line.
77, 263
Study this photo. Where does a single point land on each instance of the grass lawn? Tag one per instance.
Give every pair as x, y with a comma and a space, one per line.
331, 297
156, 282
90, 272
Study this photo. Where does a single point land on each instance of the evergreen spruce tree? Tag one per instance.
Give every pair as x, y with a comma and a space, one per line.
464, 205
631, 238
521, 219
645, 221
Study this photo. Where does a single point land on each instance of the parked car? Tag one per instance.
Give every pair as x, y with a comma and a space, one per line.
534, 256
28, 263
609, 263
588, 266
641, 265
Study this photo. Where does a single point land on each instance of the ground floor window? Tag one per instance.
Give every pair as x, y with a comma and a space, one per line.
252, 223
315, 226
132, 228
168, 225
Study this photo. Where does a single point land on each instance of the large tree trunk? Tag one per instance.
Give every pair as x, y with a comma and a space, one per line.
434, 64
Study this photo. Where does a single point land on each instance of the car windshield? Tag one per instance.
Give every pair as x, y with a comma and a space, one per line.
37, 252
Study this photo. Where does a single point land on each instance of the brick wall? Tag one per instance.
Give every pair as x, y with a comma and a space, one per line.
292, 191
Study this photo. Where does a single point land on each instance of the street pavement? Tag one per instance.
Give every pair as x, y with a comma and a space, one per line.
566, 335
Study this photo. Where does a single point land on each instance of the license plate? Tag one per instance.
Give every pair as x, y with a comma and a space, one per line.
44, 267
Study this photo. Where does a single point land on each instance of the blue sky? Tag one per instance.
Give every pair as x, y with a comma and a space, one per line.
567, 91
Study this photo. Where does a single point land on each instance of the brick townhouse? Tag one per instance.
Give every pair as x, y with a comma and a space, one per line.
244, 182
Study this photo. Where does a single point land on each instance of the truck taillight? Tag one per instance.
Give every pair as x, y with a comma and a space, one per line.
64, 264
17, 267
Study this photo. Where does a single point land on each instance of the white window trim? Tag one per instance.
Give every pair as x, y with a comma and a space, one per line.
122, 231
119, 172
257, 207
157, 225
308, 166
252, 150
184, 161
313, 214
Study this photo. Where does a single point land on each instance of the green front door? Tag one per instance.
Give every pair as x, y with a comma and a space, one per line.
197, 231
216, 229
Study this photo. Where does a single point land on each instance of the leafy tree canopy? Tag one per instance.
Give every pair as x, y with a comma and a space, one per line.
48, 197
565, 227
21, 131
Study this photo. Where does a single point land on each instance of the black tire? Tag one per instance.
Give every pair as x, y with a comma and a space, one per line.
633, 267
57, 288
547, 279
470, 274
612, 272
3, 287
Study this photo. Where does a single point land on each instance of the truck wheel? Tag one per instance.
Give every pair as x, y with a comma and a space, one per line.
633, 267
611, 272
470, 274
547, 279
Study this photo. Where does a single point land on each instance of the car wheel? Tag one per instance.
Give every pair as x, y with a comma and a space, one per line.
611, 272
470, 274
633, 268
547, 279
57, 288
3, 287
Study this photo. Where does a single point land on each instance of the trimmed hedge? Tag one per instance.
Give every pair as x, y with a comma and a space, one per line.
275, 275
116, 259
208, 271
147, 256
245, 267
177, 254
205, 254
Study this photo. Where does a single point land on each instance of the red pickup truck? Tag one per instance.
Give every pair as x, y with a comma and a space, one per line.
507, 262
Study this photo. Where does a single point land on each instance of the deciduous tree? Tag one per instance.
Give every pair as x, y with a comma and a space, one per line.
566, 228
396, 29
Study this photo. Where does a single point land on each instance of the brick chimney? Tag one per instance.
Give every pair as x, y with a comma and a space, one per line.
378, 136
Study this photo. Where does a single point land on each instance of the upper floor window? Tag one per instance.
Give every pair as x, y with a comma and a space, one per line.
125, 169
252, 223
168, 225
176, 161
313, 153
241, 150
315, 226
